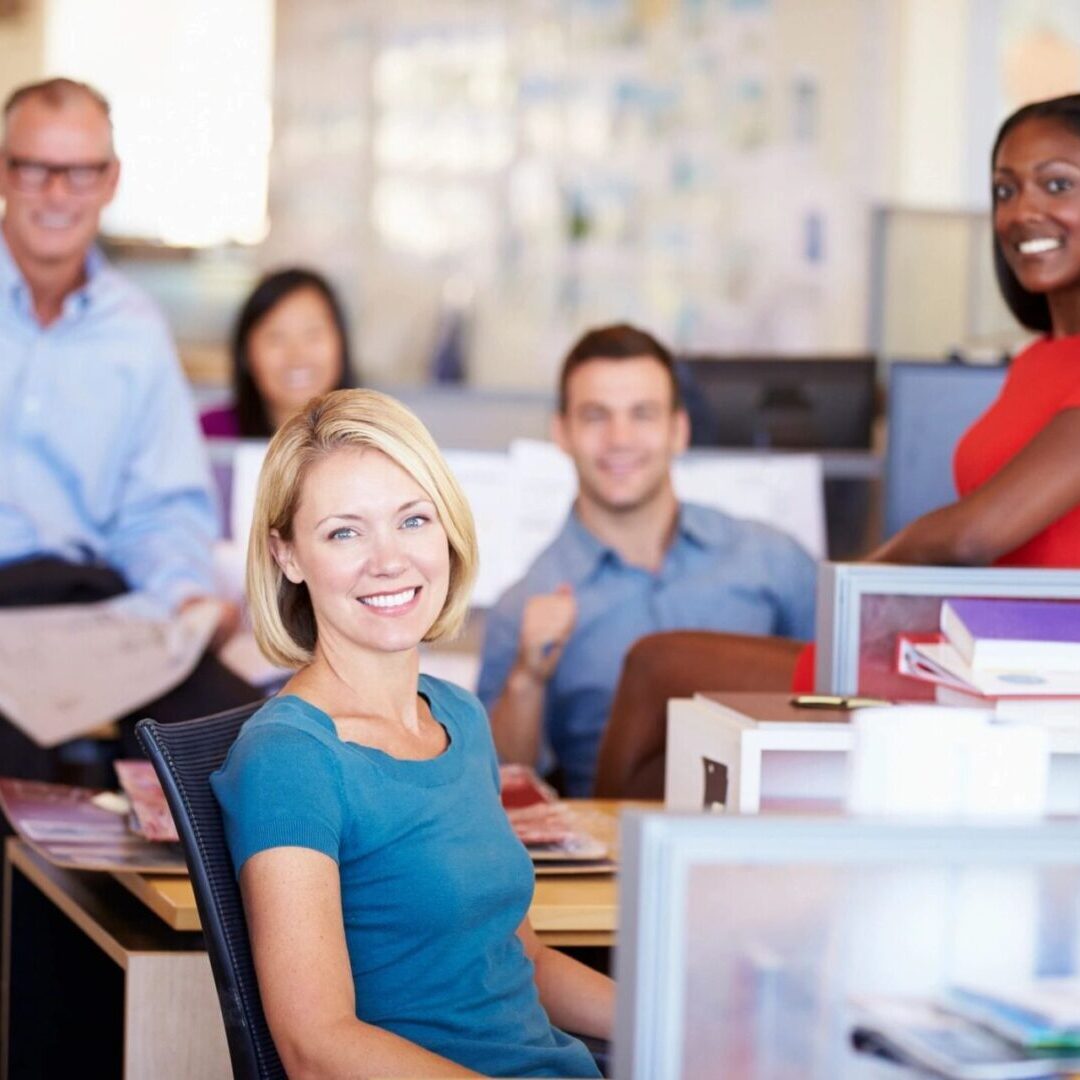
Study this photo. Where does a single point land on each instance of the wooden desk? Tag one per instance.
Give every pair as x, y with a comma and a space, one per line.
146, 1006
567, 910
95, 985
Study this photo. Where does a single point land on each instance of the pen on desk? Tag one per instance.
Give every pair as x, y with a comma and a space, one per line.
837, 701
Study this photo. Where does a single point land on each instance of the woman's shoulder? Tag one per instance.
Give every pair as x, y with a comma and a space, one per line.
282, 749
1044, 352
286, 726
220, 423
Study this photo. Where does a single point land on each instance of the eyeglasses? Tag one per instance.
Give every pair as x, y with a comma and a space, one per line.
80, 178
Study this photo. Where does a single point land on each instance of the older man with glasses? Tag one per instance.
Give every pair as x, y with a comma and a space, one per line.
104, 485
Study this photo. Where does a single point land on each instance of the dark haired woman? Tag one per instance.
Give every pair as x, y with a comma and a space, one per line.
1018, 467
290, 344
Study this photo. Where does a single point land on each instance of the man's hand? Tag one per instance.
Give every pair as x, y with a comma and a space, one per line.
228, 623
546, 624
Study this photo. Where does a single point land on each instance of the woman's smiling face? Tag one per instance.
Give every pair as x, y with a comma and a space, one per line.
295, 352
368, 543
1036, 194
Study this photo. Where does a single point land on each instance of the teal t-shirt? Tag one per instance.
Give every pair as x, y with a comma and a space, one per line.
433, 881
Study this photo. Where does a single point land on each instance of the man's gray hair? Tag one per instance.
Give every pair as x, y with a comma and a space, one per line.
56, 93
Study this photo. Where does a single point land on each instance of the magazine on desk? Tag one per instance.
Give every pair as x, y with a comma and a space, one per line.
83, 829
553, 832
89, 829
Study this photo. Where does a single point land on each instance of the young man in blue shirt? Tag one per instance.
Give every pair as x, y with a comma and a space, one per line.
630, 560
104, 485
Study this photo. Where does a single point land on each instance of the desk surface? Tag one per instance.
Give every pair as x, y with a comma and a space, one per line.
579, 909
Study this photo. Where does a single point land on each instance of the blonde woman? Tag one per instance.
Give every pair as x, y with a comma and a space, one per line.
385, 892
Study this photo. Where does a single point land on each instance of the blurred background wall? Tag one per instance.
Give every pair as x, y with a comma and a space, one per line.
482, 179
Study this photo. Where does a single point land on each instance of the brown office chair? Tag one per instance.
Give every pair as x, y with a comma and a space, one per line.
677, 663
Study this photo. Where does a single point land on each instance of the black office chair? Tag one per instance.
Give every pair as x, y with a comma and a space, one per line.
184, 755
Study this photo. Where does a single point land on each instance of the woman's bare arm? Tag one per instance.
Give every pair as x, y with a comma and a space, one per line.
1038, 486
292, 898
576, 998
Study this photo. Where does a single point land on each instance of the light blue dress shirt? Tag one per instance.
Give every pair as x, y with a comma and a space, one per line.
720, 573
100, 453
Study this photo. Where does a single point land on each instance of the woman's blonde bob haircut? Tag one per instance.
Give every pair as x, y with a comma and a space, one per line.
281, 612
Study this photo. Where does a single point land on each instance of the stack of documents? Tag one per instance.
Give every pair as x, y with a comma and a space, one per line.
1020, 658
1042, 1015
945, 1039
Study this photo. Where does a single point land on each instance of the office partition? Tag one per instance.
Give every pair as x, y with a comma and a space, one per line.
929, 407
861, 607
746, 943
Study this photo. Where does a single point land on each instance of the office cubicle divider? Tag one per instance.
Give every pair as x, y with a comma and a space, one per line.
520, 496
929, 407
746, 941
861, 607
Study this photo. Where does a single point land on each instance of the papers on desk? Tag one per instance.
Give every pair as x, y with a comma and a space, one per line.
70, 827
557, 839
930, 658
941, 1039
1040, 1016
67, 669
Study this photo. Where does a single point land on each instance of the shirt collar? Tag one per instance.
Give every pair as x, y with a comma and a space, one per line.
90, 290
13, 284
584, 552
702, 526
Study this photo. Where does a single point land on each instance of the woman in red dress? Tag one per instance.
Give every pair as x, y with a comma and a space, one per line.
1016, 468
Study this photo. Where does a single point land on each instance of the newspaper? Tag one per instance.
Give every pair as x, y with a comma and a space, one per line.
67, 669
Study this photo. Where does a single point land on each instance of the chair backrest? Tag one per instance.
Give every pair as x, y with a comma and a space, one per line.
675, 664
184, 755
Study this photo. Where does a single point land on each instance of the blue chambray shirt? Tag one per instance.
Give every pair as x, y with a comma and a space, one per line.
719, 573
100, 455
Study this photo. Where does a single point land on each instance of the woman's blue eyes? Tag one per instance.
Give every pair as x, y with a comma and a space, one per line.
414, 521
1058, 184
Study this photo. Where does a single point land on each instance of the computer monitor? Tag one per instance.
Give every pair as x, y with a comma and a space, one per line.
747, 941
929, 407
816, 403
780, 402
